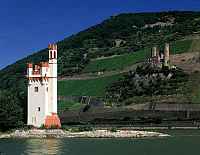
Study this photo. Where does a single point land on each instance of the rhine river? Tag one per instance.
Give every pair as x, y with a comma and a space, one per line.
180, 143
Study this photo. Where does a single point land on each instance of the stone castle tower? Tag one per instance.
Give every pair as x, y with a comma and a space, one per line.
160, 58
42, 92
166, 54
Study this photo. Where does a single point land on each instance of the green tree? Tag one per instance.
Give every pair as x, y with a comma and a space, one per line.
11, 114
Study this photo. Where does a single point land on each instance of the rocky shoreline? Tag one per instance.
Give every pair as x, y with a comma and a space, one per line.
58, 133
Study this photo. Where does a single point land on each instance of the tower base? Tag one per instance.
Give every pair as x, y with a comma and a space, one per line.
52, 121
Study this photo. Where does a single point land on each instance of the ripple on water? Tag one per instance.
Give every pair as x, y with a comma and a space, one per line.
43, 146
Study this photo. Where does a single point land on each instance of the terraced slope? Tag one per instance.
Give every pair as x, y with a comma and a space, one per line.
91, 87
117, 63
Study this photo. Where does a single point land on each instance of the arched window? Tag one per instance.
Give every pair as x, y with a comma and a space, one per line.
36, 89
54, 54
51, 54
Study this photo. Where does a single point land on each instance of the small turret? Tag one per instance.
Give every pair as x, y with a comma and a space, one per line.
29, 69
44, 70
52, 47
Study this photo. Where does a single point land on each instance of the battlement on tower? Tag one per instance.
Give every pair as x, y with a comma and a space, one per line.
39, 70
44, 64
52, 47
29, 65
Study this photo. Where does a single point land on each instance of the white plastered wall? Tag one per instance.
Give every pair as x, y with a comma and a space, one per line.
37, 100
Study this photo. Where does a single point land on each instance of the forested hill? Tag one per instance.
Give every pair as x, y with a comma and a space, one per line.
119, 34
124, 33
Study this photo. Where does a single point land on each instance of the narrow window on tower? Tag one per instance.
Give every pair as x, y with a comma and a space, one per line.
36, 89
51, 55
38, 108
55, 55
47, 89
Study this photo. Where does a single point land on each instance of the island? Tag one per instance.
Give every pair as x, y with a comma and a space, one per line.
59, 133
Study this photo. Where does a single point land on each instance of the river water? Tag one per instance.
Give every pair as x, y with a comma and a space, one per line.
180, 143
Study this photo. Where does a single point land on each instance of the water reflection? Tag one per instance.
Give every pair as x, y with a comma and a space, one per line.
42, 146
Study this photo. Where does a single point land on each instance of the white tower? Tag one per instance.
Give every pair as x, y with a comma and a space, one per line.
53, 78
42, 92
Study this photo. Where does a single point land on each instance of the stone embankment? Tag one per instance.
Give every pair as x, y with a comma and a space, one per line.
86, 134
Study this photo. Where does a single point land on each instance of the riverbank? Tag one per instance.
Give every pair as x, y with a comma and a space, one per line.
57, 133
182, 142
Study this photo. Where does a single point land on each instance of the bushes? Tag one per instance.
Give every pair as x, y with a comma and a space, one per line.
29, 127
113, 129
146, 81
81, 129
11, 114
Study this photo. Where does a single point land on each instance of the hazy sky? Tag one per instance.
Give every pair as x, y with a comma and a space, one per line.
29, 25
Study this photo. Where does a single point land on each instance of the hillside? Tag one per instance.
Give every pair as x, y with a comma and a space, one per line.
89, 87
124, 33
104, 68
92, 60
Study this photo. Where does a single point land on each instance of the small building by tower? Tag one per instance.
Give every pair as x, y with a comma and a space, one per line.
42, 92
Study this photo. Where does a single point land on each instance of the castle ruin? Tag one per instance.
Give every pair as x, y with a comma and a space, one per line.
160, 58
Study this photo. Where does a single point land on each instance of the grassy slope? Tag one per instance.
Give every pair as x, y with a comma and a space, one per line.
182, 46
93, 87
66, 105
118, 62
